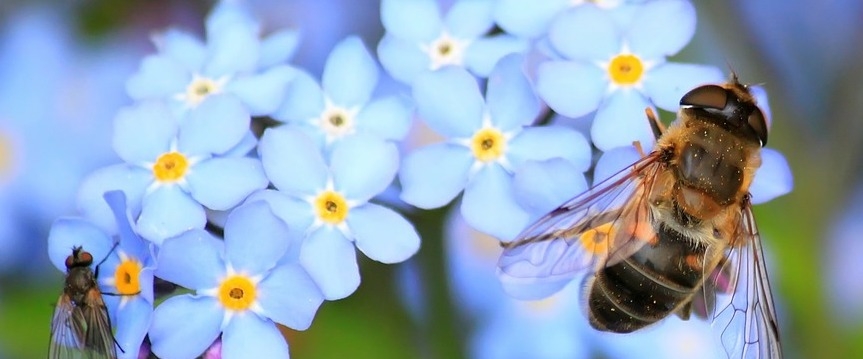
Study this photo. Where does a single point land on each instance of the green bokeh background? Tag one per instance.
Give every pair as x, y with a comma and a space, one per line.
823, 146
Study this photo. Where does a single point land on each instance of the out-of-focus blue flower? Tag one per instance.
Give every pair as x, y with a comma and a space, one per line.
329, 203
618, 72
173, 166
505, 327
342, 105
242, 286
419, 39
234, 61
124, 268
56, 101
487, 141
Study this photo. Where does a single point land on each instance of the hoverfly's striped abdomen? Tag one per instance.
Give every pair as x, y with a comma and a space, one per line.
648, 285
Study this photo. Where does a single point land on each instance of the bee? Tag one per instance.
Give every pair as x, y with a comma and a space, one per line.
673, 233
81, 327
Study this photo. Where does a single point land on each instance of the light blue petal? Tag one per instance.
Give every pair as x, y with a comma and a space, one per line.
248, 328
132, 325
292, 161
226, 13
222, 183
382, 234
167, 212
403, 60
432, 176
363, 166
295, 212
255, 238
613, 161
546, 142
213, 127
183, 47
143, 132
541, 186
511, 101
278, 47
264, 92
289, 296
661, 28
772, 179
469, 19
67, 233
185, 326
131, 180
304, 100
388, 117
233, 49
527, 18
130, 243
585, 33
569, 88
484, 53
158, 77
246, 145
621, 120
192, 260
489, 204
417, 20
350, 74
449, 101
667, 83
331, 261
760, 95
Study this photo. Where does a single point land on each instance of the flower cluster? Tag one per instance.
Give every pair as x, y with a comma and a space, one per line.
252, 183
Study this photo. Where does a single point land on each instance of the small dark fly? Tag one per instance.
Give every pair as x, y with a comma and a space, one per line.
81, 327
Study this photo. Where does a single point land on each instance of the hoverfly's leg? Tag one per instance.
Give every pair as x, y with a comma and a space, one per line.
641, 153
657, 127
121, 295
96, 272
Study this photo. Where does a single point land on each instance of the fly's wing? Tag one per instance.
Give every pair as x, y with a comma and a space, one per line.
596, 228
84, 331
67, 330
747, 318
99, 338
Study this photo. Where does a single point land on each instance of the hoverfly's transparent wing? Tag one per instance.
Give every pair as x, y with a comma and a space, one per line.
747, 317
598, 227
67, 330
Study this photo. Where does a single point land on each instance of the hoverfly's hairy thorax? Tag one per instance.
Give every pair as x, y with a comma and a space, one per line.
79, 281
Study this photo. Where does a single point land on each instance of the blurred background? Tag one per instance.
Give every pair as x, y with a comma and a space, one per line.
63, 66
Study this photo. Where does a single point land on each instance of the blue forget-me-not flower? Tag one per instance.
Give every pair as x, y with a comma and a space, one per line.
420, 39
329, 202
243, 286
173, 167
618, 72
342, 104
487, 141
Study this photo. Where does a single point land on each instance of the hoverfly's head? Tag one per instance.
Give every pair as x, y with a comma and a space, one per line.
79, 258
731, 107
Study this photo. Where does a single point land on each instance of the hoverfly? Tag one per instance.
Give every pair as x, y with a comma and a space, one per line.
668, 234
81, 327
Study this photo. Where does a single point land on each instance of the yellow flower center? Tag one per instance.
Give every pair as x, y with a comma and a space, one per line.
595, 240
170, 167
488, 144
331, 207
199, 89
625, 69
237, 293
126, 277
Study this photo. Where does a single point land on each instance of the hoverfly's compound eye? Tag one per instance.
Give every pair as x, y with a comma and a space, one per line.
86, 257
759, 125
709, 96
70, 261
